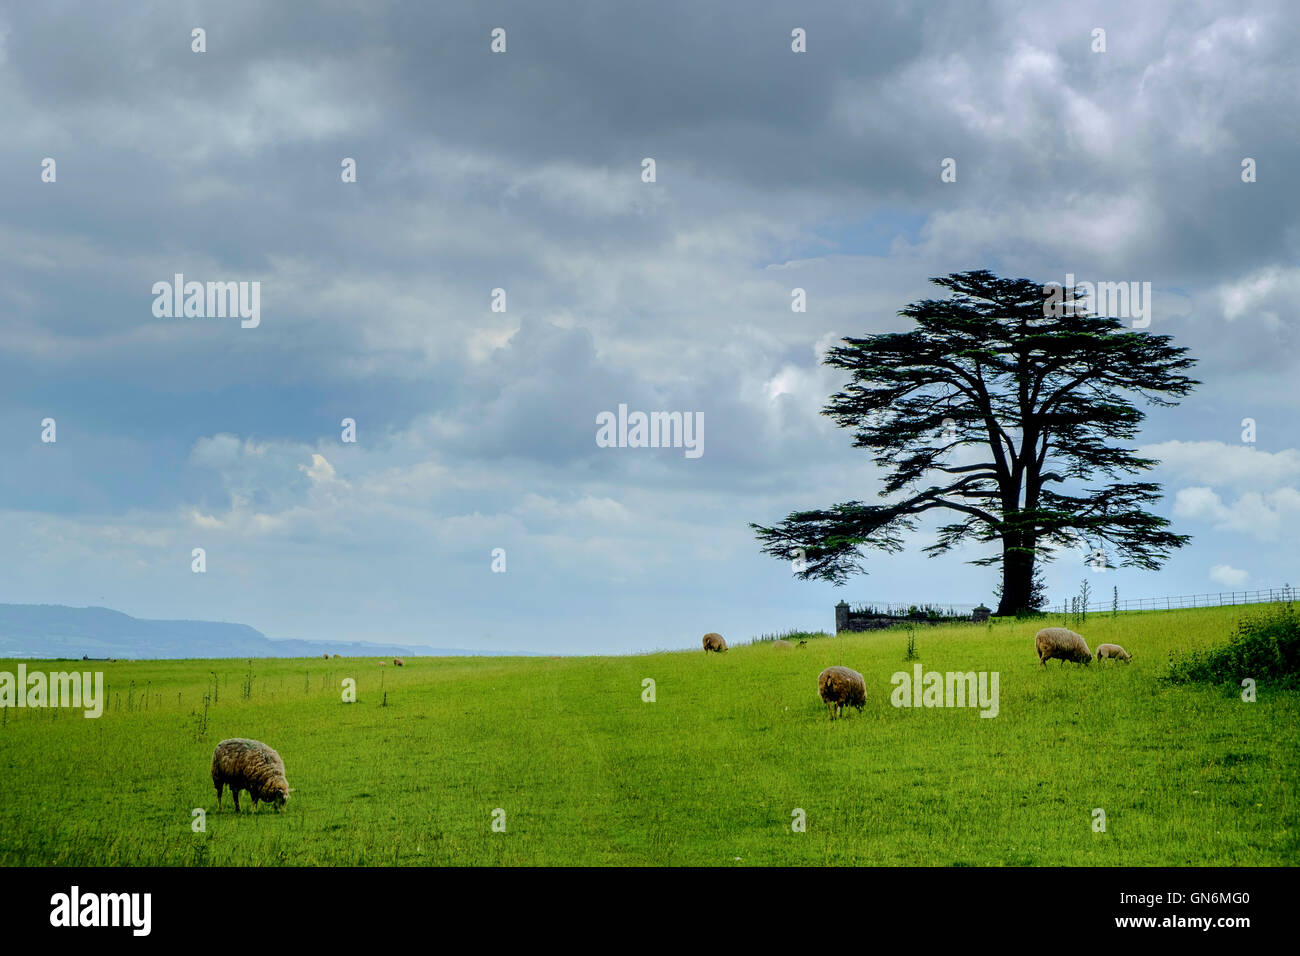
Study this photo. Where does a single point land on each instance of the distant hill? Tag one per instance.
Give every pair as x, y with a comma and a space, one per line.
56, 630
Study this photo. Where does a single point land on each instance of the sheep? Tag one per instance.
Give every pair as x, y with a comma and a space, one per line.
326, 656
249, 765
714, 642
1061, 643
780, 643
398, 662
1113, 650
839, 686
337, 656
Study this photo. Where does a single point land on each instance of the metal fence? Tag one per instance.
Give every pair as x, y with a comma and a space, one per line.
1211, 599
1169, 603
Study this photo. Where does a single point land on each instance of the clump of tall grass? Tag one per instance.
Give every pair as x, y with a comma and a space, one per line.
1266, 647
911, 654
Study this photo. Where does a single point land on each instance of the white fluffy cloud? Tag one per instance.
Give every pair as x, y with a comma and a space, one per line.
1220, 463
1270, 516
1229, 576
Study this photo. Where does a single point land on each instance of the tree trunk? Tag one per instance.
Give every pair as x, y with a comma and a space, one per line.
1017, 578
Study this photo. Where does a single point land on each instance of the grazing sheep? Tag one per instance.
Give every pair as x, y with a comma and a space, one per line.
1113, 650
714, 642
326, 656
1061, 643
803, 643
249, 765
383, 663
398, 662
839, 686
780, 643
336, 655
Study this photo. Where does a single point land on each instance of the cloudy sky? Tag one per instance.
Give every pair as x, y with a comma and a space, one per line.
522, 171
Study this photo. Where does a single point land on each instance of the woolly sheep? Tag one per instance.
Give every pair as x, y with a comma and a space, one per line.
714, 642
1113, 650
780, 643
250, 765
839, 686
1063, 644
398, 662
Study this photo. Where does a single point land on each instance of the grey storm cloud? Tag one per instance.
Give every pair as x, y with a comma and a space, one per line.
522, 171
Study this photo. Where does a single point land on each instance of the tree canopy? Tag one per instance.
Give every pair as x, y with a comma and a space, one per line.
1042, 399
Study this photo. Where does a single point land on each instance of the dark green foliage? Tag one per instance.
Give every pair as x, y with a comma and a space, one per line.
1044, 401
1037, 595
1265, 648
793, 636
914, 612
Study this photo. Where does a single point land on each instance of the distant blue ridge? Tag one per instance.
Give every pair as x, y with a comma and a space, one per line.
56, 630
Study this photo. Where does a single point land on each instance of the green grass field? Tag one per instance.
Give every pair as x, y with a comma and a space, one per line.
708, 774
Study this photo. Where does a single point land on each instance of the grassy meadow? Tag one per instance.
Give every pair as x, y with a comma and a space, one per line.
710, 773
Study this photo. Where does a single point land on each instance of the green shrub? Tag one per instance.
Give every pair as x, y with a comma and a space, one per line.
1265, 647
793, 636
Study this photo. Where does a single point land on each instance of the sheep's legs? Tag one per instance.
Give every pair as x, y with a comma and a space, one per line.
219, 789
234, 792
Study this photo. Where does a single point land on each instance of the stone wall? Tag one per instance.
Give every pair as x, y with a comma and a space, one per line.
846, 619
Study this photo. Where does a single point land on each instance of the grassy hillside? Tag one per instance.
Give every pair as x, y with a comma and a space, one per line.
710, 773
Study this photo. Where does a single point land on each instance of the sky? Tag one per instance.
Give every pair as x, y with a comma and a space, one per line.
523, 171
